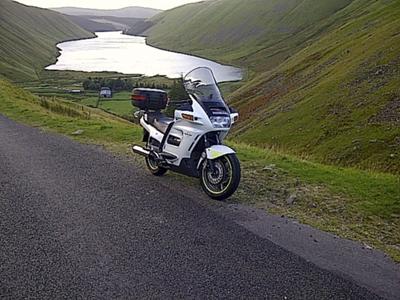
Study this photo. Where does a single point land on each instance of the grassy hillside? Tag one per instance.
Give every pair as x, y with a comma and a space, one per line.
28, 36
326, 83
91, 25
337, 100
106, 23
348, 202
243, 32
139, 28
126, 12
65, 117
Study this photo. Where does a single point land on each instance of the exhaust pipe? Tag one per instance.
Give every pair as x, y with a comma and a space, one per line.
140, 150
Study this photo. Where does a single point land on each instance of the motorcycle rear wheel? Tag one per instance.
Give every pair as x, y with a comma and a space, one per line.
154, 168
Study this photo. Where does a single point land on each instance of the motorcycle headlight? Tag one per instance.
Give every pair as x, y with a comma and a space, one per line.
221, 121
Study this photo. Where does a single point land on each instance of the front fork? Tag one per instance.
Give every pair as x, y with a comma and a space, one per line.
210, 163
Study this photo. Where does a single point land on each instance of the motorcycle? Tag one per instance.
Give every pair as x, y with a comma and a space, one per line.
191, 143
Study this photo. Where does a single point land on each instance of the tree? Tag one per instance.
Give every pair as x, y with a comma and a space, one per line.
176, 93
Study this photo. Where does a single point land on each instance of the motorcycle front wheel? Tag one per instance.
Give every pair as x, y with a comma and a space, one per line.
220, 178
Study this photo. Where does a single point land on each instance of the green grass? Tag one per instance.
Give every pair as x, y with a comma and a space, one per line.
58, 84
331, 103
28, 38
355, 204
119, 107
373, 192
242, 32
120, 104
351, 203
66, 117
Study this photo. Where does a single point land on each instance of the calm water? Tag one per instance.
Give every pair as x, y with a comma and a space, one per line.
115, 52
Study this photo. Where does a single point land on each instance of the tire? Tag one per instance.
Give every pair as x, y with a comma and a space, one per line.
154, 168
224, 181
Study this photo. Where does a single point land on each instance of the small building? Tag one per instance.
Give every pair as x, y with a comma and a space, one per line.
105, 92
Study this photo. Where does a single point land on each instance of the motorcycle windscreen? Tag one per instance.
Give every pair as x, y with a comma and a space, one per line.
201, 84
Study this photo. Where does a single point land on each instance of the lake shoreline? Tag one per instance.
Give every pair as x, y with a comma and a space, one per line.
188, 54
58, 49
133, 55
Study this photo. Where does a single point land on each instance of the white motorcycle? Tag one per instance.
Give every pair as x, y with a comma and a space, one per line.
191, 143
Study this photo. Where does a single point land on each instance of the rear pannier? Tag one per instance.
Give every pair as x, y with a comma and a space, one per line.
149, 99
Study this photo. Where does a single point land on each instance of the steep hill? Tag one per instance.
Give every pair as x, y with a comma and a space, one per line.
325, 74
106, 23
28, 36
126, 12
139, 28
91, 25
243, 32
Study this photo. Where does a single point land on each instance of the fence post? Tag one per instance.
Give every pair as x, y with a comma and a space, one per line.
98, 101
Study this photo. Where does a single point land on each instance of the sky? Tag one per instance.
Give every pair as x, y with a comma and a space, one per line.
102, 4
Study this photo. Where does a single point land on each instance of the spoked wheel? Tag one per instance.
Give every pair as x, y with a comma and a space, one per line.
153, 166
220, 177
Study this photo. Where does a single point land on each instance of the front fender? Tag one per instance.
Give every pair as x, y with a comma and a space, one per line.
217, 151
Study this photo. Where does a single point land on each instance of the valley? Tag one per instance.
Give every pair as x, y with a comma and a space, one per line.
319, 131
129, 19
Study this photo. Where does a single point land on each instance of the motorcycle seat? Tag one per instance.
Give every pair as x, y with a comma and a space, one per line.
159, 121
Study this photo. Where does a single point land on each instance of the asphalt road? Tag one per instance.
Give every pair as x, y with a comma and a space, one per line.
78, 222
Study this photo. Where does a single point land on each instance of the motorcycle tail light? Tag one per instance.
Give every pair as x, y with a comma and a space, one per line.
138, 97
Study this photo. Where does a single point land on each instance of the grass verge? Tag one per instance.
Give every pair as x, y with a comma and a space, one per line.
359, 205
354, 204
66, 117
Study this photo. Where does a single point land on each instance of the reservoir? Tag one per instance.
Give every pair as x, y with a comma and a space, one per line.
116, 52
